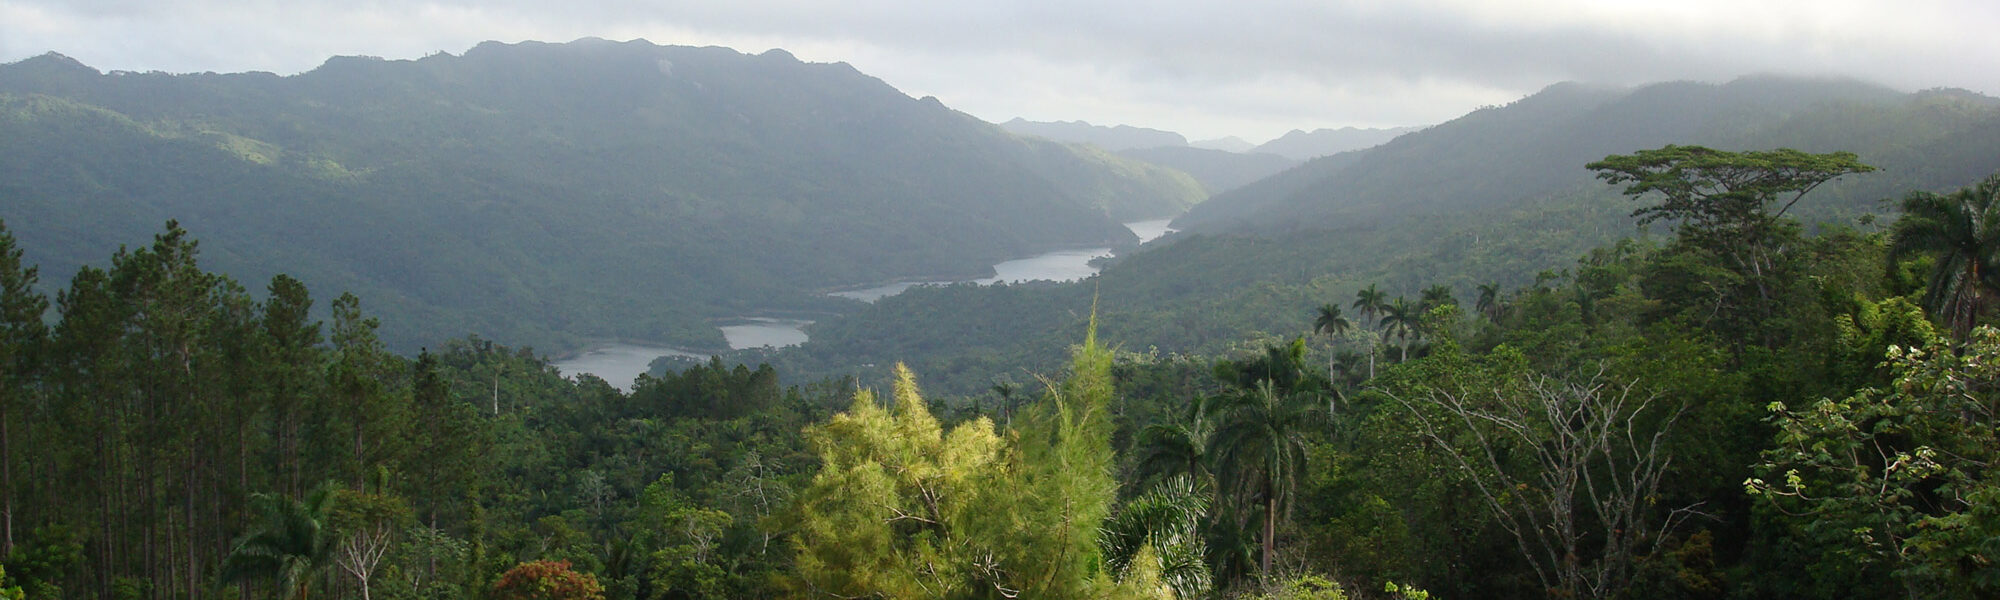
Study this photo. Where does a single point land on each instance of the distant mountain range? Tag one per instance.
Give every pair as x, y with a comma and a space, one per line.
1217, 170
1499, 196
1536, 147
549, 194
1225, 144
1113, 138
1220, 164
1307, 145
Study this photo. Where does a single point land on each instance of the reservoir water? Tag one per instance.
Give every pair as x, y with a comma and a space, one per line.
1060, 265
761, 332
1151, 230
619, 364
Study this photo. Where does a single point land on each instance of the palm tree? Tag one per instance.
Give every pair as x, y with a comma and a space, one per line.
1178, 447
1489, 301
1370, 301
1404, 321
1962, 230
1330, 323
1260, 449
292, 546
1168, 518
1005, 390
1436, 296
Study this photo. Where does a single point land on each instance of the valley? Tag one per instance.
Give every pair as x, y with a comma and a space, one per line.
604, 320
619, 363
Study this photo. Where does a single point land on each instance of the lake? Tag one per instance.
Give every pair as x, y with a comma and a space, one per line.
619, 364
1151, 230
1060, 265
760, 332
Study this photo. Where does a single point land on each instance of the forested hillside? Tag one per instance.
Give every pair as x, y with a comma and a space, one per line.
548, 194
1484, 199
1217, 170
1498, 157
268, 337
1740, 408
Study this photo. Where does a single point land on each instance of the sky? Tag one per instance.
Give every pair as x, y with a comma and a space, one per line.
1247, 68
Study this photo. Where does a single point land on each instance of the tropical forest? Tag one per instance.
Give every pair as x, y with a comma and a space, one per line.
325, 336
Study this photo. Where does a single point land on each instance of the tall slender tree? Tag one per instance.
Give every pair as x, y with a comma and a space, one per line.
1489, 301
1404, 321
292, 340
1260, 450
1436, 296
22, 336
1370, 302
1329, 322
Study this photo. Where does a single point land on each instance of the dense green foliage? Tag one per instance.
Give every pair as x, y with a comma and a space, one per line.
551, 194
1499, 197
1514, 402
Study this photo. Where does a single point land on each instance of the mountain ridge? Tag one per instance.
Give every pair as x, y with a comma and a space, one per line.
549, 194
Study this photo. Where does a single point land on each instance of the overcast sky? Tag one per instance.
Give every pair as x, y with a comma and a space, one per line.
1250, 68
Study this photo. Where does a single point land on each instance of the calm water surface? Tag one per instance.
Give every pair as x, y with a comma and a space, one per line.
1060, 265
1150, 230
761, 332
619, 364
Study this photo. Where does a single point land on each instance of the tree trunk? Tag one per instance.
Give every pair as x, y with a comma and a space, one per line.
1270, 527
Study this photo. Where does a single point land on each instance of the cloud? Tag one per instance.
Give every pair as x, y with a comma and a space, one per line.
1252, 67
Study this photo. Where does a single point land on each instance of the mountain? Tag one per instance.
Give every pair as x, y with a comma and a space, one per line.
1122, 137
1217, 170
1302, 145
1536, 148
1225, 144
1499, 196
549, 194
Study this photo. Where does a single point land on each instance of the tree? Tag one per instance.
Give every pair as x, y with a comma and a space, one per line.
1329, 322
292, 546
547, 580
1899, 478
365, 526
1716, 193
1568, 468
1370, 302
1732, 203
1960, 231
1260, 449
448, 440
893, 508
1178, 447
1436, 296
375, 419
1167, 520
22, 336
292, 340
1404, 321
902, 508
1489, 301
